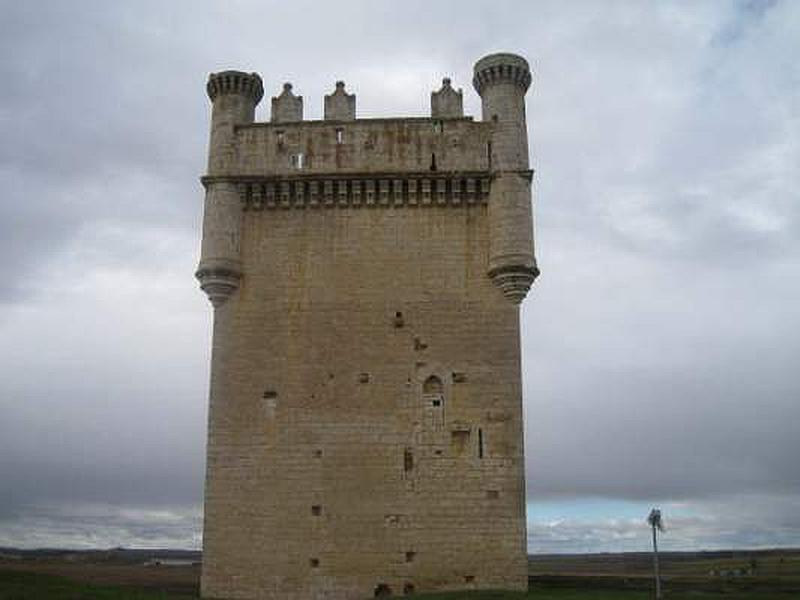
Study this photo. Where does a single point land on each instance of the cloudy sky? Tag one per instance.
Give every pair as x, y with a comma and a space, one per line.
661, 343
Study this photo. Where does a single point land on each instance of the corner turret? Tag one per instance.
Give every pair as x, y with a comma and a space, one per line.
502, 80
234, 95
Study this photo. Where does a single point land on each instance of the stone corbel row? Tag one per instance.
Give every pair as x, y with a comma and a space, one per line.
366, 192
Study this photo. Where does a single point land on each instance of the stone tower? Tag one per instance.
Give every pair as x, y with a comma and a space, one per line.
365, 420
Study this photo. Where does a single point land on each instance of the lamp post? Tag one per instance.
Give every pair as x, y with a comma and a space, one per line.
654, 519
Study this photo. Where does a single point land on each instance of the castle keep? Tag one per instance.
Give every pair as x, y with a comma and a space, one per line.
365, 421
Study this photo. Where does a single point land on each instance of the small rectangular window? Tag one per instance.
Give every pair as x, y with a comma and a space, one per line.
480, 443
316, 510
339, 135
408, 460
298, 160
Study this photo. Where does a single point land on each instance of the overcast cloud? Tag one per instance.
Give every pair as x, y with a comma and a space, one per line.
660, 343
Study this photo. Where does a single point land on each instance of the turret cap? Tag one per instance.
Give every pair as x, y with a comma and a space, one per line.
502, 67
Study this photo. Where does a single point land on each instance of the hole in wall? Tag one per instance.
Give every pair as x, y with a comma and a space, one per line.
408, 589
398, 320
316, 510
313, 562
469, 578
363, 377
459, 377
410, 556
382, 590
317, 453
419, 344
269, 394
408, 460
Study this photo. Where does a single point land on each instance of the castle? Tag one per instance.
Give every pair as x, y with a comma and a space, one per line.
365, 421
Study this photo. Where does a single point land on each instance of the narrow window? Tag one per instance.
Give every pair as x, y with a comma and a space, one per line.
298, 160
480, 443
489, 154
433, 162
408, 460
279, 136
339, 135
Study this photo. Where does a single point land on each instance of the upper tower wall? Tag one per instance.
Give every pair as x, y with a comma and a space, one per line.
362, 146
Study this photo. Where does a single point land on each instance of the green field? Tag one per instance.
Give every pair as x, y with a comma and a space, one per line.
37, 586
121, 574
18, 585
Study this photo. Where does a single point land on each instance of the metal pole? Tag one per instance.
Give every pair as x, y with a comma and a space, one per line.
655, 563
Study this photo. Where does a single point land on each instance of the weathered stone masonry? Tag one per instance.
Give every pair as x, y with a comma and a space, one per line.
365, 420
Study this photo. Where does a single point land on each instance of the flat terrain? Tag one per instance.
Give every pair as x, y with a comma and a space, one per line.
174, 575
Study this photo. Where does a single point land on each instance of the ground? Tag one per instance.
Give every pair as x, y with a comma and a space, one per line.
122, 575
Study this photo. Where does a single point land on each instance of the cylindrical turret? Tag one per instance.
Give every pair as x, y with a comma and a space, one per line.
501, 80
234, 95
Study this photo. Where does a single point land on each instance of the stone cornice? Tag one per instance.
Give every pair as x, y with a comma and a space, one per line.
360, 190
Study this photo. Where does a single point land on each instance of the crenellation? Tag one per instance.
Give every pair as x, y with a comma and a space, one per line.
287, 108
365, 416
340, 106
447, 103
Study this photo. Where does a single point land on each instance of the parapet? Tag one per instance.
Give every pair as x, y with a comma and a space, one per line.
501, 68
340, 106
235, 82
287, 107
447, 102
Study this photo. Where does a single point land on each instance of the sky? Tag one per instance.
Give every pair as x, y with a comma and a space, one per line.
660, 343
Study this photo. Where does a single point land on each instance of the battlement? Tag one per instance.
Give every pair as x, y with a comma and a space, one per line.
235, 82
501, 68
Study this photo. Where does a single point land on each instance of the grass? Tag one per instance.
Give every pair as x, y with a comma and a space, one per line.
608, 594
18, 585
